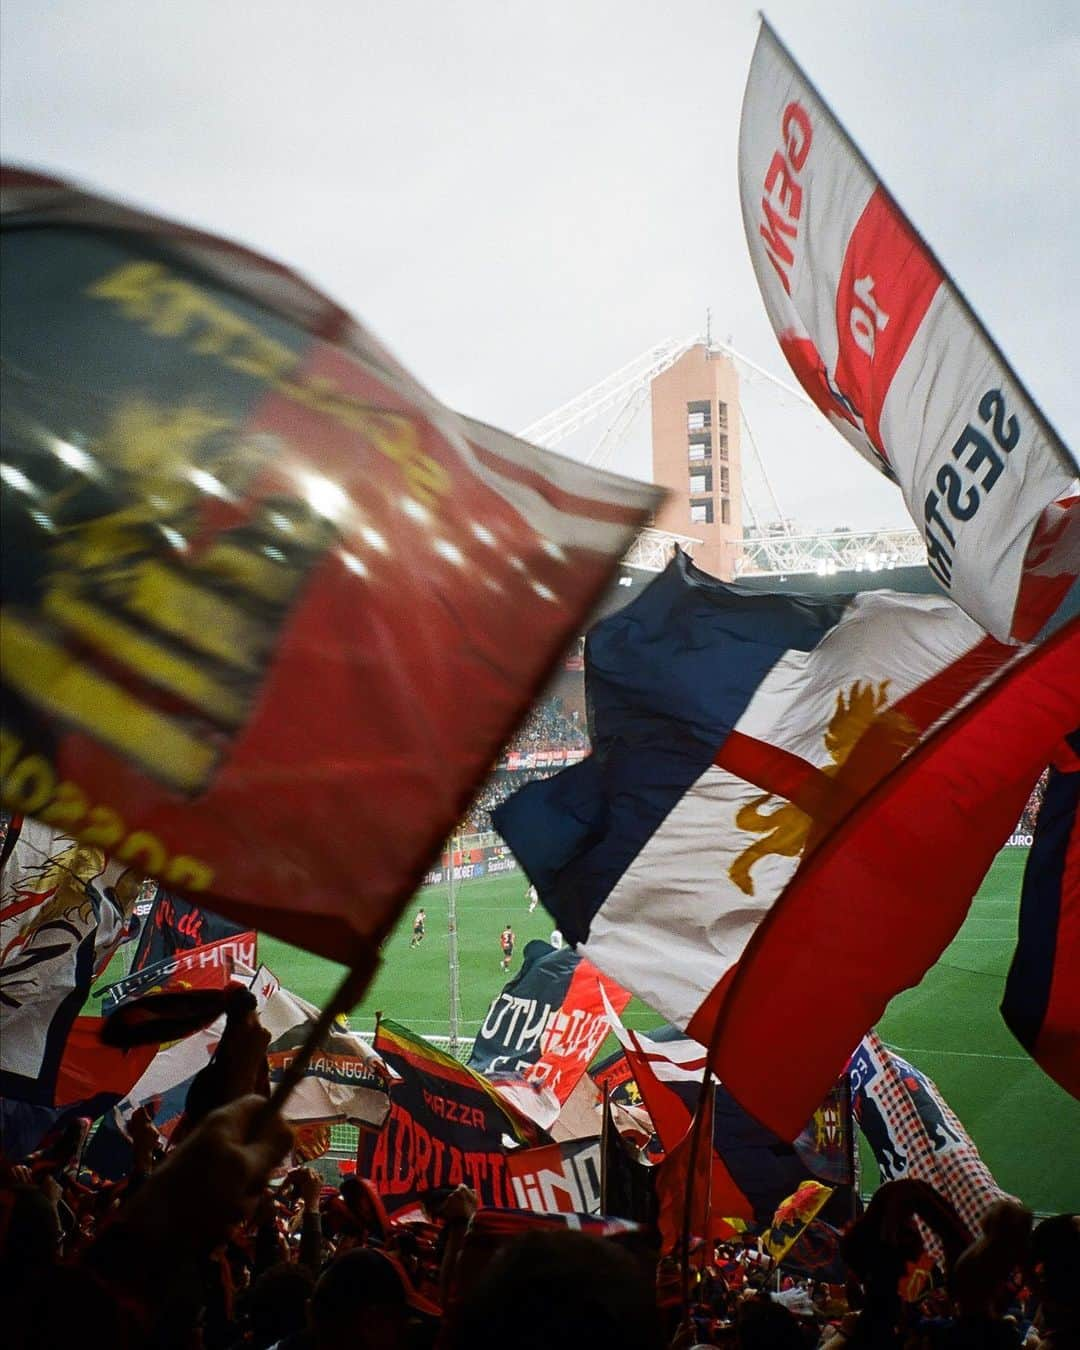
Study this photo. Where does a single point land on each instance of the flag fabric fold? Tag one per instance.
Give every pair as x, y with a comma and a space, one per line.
63, 910
684, 1179
627, 1185
345, 1080
893, 356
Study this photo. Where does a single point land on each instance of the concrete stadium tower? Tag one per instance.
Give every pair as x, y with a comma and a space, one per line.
695, 454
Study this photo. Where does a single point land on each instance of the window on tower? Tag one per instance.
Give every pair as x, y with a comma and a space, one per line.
698, 415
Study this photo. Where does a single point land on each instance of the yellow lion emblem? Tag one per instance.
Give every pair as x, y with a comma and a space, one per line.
786, 827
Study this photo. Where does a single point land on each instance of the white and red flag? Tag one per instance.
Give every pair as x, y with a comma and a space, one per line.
892, 354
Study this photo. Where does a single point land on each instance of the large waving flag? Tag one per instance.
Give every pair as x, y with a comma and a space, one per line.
732, 734
1042, 993
892, 354
249, 567
915, 1135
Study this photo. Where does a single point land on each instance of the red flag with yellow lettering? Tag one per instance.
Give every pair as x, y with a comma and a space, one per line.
269, 609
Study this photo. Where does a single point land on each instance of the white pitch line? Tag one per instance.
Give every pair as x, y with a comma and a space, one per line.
960, 1054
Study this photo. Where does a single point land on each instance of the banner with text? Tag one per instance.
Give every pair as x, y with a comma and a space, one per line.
893, 356
549, 1020
558, 1178
446, 1127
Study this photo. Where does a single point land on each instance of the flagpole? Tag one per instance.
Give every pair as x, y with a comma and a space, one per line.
605, 1146
695, 1144
451, 919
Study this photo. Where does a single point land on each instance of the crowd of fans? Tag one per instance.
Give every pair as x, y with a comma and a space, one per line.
549, 726
202, 1247
496, 789
1031, 811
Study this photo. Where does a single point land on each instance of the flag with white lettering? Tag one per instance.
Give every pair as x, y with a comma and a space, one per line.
250, 565
549, 1020
205, 967
176, 924
447, 1127
344, 1081
557, 1178
894, 357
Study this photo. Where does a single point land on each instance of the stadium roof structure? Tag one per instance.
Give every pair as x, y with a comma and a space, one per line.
910, 580
775, 552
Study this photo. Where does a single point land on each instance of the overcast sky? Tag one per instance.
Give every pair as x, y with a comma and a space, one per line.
518, 198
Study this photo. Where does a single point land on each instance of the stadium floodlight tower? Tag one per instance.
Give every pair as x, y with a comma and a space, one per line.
620, 397
781, 550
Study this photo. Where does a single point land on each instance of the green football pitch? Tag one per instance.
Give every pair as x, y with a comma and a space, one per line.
1026, 1127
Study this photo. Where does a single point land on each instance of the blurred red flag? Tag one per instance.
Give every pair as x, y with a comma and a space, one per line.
673, 1192
269, 608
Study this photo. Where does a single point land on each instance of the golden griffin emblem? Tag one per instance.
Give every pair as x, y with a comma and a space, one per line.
786, 828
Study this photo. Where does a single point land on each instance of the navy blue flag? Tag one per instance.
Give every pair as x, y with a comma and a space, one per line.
510, 1035
627, 1185
1041, 1006
447, 1127
177, 925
